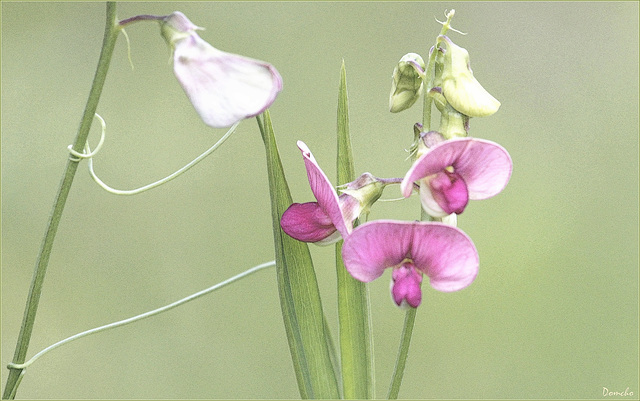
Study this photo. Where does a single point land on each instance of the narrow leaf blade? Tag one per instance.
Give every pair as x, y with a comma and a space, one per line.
356, 345
304, 320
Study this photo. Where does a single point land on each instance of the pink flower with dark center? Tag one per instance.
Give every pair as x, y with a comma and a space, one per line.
442, 252
326, 220
224, 88
454, 171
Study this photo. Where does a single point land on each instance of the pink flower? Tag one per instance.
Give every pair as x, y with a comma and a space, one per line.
454, 171
224, 88
444, 253
326, 220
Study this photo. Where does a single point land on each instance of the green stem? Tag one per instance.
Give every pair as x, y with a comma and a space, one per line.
410, 317
429, 77
111, 33
403, 352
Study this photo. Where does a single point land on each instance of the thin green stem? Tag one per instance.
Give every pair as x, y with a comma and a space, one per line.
403, 352
407, 330
146, 314
429, 76
110, 35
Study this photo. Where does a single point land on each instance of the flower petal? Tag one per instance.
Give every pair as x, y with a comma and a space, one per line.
307, 222
224, 88
433, 161
445, 254
405, 286
324, 192
428, 201
484, 165
450, 191
375, 246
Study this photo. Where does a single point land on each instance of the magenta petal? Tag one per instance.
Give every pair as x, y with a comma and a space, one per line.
449, 191
434, 161
406, 286
485, 166
324, 192
445, 254
306, 222
375, 246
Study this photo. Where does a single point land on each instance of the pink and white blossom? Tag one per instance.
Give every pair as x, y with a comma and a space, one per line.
326, 220
443, 253
455, 171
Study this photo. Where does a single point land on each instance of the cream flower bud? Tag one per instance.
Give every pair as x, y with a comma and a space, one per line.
406, 86
463, 92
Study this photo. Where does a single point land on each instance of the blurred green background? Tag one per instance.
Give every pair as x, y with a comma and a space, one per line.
553, 313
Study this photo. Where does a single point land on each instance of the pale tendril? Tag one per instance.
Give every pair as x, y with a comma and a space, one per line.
88, 154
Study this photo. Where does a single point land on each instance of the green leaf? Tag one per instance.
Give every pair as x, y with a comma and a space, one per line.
353, 296
309, 338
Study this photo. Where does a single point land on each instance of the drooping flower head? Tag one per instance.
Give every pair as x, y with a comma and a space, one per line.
224, 88
326, 220
454, 171
444, 253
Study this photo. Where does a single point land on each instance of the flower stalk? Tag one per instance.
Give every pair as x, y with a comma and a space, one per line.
112, 29
429, 75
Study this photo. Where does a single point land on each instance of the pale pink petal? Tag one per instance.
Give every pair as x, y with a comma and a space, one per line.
350, 208
445, 254
485, 167
324, 192
307, 222
224, 88
429, 204
375, 246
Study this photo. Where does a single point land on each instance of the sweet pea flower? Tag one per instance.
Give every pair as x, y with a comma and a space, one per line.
326, 220
444, 253
224, 88
456, 170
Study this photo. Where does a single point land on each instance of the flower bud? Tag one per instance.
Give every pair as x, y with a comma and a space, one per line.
453, 124
463, 92
432, 138
406, 86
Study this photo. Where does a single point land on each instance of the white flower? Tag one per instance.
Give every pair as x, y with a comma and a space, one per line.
224, 88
